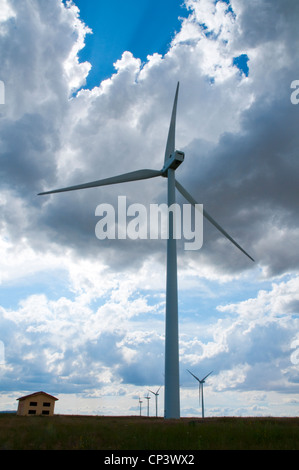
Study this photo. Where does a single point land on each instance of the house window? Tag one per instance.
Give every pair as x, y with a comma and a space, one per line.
46, 404
45, 412
32, 412
33, 403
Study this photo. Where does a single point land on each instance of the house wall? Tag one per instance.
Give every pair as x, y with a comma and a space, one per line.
36, 405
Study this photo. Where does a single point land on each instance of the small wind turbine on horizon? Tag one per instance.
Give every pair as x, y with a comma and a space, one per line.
200, 389
140, 403
172, 160
148, 399
156, 398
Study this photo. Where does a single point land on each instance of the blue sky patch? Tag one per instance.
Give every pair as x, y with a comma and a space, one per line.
143, 27
242, 63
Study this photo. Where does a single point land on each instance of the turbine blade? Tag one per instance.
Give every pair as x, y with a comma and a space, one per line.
202, 380
189, 198
132, 176
170, 146
193, 375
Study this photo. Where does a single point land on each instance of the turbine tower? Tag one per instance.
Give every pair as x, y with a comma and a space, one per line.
200, 389
148, 399
172, 160
156, 398
140, 403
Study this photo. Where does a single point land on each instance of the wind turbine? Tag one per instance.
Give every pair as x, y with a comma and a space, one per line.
200, 388
140, 403
172, 160
156, 398
148, 399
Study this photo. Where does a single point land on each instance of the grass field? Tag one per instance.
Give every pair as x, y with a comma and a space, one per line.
64, 432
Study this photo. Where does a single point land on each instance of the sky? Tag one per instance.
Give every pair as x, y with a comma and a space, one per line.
88, 94
143, 28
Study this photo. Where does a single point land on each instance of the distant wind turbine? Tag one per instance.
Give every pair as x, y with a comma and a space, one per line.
156, 398
148, 399
140, 403
172, 160
200, 389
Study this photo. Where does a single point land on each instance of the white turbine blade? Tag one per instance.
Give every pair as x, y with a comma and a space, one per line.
170, 146
189, 198
193, 375
133, 176
202, 380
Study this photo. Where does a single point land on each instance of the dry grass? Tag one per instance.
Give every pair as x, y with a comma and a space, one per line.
64, 432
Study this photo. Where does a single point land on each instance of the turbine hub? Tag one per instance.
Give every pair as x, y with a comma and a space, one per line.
173, 162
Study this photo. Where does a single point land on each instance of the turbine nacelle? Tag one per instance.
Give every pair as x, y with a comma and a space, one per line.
173, 162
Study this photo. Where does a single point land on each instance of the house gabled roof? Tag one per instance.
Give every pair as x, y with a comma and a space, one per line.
37, 393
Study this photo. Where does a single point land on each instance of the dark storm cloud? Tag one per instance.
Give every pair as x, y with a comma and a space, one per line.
250, 182
27, 147
246, 180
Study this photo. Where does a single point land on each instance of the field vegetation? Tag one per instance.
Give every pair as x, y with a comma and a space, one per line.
63, 432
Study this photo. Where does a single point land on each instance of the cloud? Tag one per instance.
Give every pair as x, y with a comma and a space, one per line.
71, 344
62, 141
259, 335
